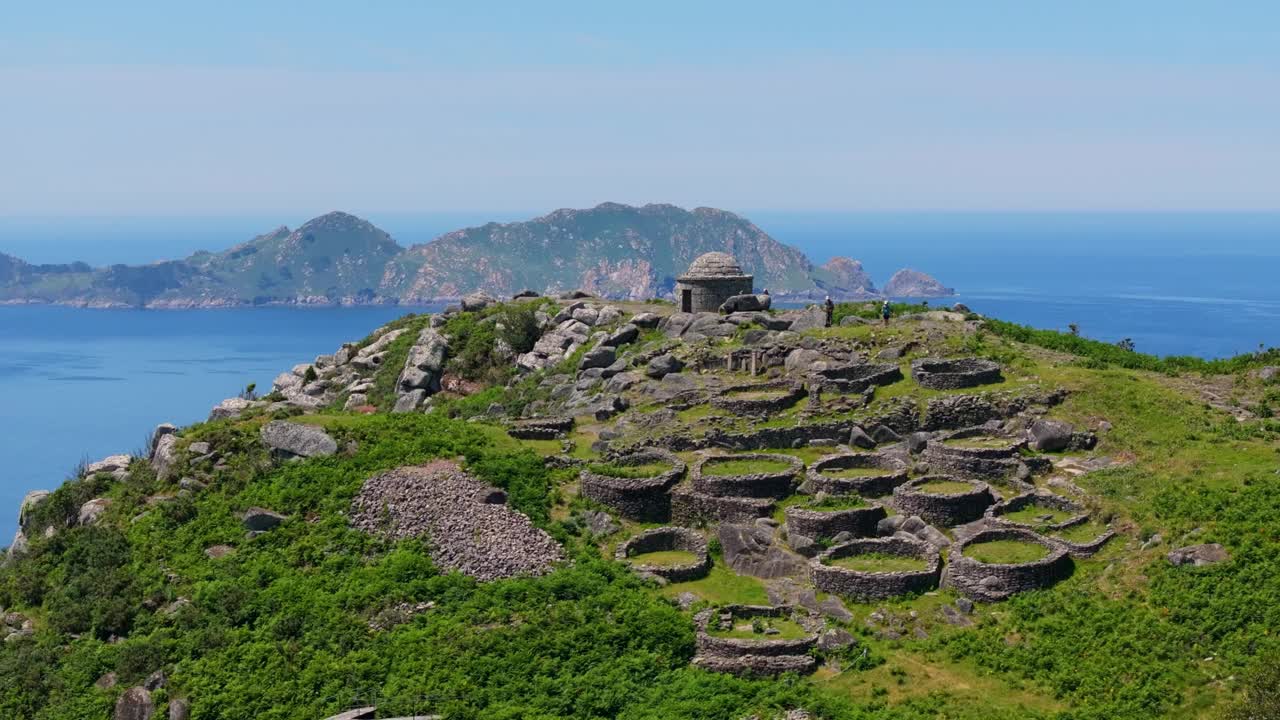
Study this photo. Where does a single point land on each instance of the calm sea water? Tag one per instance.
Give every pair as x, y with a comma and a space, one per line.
88, 383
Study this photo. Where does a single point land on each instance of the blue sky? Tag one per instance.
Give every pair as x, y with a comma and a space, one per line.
139, 108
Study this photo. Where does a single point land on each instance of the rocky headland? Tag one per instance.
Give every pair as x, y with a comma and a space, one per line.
612, 250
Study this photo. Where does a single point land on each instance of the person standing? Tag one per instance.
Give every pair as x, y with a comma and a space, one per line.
829, 308
884, 312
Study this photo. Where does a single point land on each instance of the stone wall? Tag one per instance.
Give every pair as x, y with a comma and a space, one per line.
991, 583
788, 394
895, 474
781, 437
856, 377
692, 508
743, 656
998, 511
668, 538
977, 462
943, 374
943, 510
755, 485
809, 522
643, 499
877, 585
540, 428
708, 294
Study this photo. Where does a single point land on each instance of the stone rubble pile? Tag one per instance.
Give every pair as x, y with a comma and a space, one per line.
466, 530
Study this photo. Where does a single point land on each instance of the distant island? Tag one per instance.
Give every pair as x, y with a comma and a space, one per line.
612, 250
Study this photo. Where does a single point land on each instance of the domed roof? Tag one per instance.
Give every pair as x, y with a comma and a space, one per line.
715, 264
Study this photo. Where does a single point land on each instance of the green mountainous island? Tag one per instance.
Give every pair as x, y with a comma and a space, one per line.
586, 508
611, 250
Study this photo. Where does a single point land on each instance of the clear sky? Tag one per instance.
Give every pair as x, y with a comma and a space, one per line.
228, 107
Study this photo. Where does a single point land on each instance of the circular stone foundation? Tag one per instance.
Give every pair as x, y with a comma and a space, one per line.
667, 539
645, 499
944, 374
775, 397
540, 428
975, 453
877, 585
737, 647
767, 484
856, 377
1076, 512
892, 473
944, 508
818, 523
991, 582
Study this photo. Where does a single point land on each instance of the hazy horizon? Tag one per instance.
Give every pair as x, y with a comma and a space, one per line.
246, 108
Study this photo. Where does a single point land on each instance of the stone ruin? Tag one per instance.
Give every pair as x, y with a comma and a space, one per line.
894, 473
469, 525
946, 509
992, 582
645, 499
668, 538
953, 374
732, 498
866, 585
751, 656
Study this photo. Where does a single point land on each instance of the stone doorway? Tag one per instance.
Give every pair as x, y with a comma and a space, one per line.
686, 301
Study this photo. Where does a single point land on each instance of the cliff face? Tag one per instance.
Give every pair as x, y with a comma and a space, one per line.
612, 250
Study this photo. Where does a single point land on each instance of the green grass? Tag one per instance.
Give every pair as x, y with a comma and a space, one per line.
722, 586
837, 502
855, 472
1032, 514
664, 558
743, 630
880, 563
629, 471
744, 467
945, 487
1082, 533
1006, 552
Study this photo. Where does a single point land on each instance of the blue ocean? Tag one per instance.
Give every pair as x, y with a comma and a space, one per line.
87, 383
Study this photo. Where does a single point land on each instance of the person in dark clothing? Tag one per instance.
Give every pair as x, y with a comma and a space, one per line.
884, 312
830, 309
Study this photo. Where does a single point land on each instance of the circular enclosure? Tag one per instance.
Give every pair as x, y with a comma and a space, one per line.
540, 428
756, 475
944, 500
715, 631
975, 453
944, 374
819, 522
758, 398
675, 553
1039, 511
1000, 571
877, 569
856, 377
636, 485
871, 474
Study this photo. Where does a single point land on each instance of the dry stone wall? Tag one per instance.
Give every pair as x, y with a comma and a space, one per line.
895, 474
814, 523
987, 582
645, 499
776, 484
944, 374
946, 510
668, 538
877, 585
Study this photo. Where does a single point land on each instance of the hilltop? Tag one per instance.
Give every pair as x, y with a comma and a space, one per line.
613, 250
673, 516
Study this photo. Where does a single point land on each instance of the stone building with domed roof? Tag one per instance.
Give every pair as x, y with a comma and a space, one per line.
712, 279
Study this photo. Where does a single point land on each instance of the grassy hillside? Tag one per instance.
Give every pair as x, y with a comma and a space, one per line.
307, 619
